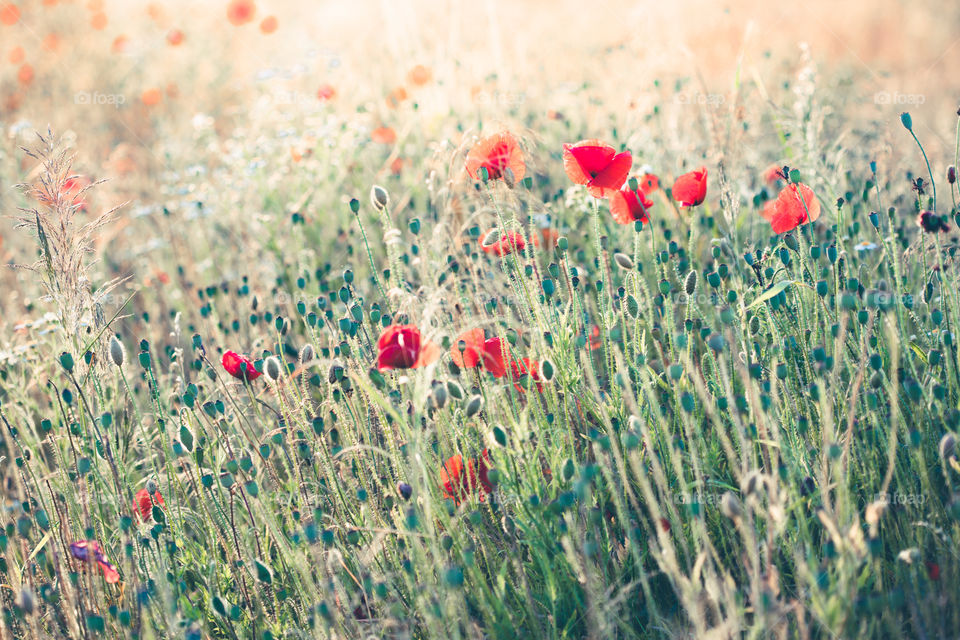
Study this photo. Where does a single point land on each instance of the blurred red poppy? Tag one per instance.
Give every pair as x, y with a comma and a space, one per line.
420, 75
795, 205
326, 92
25, 74
16, 55
240, 12
773, 174
384, 135
9, 14
690, 189
240, 367
596, 165
506, 243
268, 25
628, 206
175, 37
649, 183
496, 154
143, 503
526, 366
402, 347
98, 21
459, 480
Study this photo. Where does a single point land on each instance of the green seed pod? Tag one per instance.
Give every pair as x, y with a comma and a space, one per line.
474, 405
690, 284
379, 197
117, 352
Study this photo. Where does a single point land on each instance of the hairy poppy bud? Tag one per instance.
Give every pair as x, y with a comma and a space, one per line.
151, 487
379, 197
440, 395
690, 284
730, 505
405, 490
117, 353
623, 261
951, 174
492, 238
306, 353
906, 121
948, 446
272, 368
474, 404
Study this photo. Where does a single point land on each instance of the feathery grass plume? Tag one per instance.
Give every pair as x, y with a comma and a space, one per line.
65, 243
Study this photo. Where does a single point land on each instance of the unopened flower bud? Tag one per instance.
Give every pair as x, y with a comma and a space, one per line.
730, 505
117, 353
379, 197
272, 368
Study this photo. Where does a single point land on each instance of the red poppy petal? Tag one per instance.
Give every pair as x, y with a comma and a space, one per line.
473, 345
612, 177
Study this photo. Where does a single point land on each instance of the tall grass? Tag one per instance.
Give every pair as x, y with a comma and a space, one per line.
757, 440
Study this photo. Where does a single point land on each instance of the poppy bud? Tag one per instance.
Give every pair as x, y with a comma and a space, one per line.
730, 505
440, 395
509, 178
474, 404
151, 487
492, 238
117, 353
379, 197
690, 284
306, 353
906, 121
948, 446
272, 368
623, 261
951, 174
335, 373
405, 490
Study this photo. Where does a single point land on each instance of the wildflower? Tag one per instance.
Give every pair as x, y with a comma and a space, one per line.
528, 367
649, 183
628, 206
98, 21
594, 341
795, 205
175, 37
502, 243
240, 12
240, 367
459, 480
932, 223
865, 245
497, 154
90, 551
773, 174
690, 189
268, 25
402, 347
472, 351
420, 75
383, 135
597, 166
9, 14
326, 92
143, 503
151, 97
25, 74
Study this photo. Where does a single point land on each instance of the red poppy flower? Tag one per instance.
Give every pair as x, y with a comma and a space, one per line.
932, 223
773, 174
594, 341
490, 354
496, 154
73, 187
526, 366
151, 97
143, 503
649, 183
326, 92
240, 367
596, 165
268, 25
548, 238
690, 189
459, 481
507, 243
98, 21
175, 37
16, 55
933, 570
384, 135
629, 206
402, 347
795, 205
9, 14
90, 551
420, 75
25, 74
240, 12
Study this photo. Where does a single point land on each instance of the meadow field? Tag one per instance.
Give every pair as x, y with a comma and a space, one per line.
442, 320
